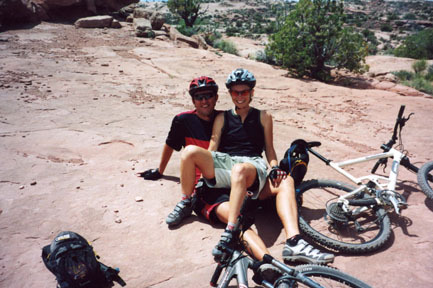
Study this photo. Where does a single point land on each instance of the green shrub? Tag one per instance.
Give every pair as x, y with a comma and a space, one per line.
232, 31
185, 30
212, 37
313, 36
226, 46
421, 84
262, 56
429, 75
403, 75
409, 16
419, 66
417, 46
392, 16
386, 27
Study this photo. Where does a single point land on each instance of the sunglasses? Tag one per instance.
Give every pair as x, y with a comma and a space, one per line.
206, 96
243, 93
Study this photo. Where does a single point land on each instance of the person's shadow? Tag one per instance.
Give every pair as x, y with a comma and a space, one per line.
267, 222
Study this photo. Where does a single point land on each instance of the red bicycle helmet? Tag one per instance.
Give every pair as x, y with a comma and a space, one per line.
202, 83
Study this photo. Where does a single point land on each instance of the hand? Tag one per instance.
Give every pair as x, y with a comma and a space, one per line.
151, 174
277, 175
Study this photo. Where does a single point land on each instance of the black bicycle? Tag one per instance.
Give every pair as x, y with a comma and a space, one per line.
235, 263
354, 219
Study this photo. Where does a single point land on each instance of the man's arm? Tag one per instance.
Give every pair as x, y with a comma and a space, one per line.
167, 151
216, 132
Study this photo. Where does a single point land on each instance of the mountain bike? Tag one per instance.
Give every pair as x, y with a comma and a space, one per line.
235, 263
354, 219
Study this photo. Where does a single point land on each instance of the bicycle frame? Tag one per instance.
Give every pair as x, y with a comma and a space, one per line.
238, 267
389, 152
391, 179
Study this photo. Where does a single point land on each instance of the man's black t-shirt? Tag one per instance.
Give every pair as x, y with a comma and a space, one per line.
189, 129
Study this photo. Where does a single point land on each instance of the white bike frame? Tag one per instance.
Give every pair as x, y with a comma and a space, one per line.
389, 182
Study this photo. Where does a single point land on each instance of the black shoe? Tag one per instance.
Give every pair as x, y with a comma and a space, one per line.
182, 210
226, 239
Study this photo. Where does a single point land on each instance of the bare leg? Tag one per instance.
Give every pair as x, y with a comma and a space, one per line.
192, 157
286, 204
242, 177
256, 246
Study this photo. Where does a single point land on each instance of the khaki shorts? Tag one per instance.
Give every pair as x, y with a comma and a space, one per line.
224, 163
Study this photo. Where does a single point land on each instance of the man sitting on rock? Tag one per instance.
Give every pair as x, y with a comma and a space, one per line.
189, 128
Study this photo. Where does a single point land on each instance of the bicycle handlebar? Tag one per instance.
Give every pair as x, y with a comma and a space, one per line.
399, 123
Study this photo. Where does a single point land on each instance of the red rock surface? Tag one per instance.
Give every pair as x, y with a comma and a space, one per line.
83, 110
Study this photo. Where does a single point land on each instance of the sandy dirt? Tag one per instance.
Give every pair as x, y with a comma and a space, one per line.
82, 111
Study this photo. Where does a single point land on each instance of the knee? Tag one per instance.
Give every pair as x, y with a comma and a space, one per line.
287, 186
189, 152
289, 182
239, 172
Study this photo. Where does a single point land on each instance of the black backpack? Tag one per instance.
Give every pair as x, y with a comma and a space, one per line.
74, 263
295, 161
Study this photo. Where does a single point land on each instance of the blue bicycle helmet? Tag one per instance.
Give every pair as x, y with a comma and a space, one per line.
241, 76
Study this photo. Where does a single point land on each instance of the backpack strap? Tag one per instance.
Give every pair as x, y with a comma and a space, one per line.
112, 274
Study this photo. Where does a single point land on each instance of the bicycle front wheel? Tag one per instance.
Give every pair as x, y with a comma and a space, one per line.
328, 277
326, 223
425, 179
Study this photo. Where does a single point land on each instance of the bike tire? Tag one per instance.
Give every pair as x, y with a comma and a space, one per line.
425, 176
316, 223
329, 277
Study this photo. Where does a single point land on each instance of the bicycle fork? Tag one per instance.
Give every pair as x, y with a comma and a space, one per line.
236, 267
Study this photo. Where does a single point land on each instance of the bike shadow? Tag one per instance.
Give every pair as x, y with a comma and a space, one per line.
429, 203
410, 187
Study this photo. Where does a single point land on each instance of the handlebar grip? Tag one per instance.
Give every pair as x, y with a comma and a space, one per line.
216, 275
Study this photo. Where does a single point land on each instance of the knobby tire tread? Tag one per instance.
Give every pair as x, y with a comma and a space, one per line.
331, 273
350, 248
423, 181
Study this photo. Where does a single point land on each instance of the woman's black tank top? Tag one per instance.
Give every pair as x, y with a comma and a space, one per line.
242, 139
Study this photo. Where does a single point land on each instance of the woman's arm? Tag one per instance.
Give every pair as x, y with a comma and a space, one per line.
266, 120
216, 132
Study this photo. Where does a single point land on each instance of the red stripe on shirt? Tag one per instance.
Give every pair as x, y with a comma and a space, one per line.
192, 141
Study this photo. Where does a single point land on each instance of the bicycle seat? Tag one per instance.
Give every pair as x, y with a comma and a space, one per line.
313, 144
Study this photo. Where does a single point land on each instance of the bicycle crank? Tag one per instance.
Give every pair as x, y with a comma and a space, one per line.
392, 198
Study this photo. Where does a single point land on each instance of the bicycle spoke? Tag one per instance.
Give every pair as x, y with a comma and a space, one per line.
360, 229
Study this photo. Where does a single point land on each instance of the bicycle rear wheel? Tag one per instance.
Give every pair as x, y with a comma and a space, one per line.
362, 233
329, 277
425, 179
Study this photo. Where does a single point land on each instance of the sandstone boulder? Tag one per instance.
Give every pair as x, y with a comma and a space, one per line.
143, 28
141, 12
200, 40
157, 20
116, 24
15, 11
25, 11
94, 22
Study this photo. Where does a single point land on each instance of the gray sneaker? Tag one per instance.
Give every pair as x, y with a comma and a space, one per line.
182, 210
304, 252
